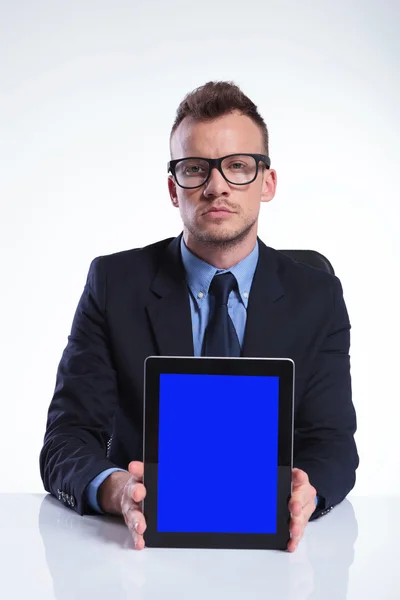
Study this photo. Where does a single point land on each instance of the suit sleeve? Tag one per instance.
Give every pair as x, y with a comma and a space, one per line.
81, 411
325, 423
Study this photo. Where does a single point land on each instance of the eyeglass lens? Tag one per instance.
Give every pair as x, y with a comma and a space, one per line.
239, 169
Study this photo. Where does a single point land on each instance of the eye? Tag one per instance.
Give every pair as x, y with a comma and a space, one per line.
236, 166
194, 170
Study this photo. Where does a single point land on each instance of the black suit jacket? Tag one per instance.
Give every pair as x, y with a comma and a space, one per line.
136, 304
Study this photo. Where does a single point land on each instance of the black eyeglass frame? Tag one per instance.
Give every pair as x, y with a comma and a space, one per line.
215, 163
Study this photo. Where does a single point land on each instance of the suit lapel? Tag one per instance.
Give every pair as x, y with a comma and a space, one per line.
266, 315
170, 316
169, 311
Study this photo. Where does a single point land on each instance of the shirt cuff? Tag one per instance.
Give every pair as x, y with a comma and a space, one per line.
93, 488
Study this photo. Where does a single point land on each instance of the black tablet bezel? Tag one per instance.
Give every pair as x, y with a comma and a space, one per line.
277, 367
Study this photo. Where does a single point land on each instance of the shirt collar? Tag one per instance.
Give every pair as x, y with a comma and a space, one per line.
199, 273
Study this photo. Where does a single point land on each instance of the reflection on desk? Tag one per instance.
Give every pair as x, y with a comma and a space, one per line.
91, 557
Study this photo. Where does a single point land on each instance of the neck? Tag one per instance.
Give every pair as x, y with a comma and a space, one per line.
221, 256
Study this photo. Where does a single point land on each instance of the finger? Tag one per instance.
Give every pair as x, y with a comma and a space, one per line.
132, 495
295, 506
292, 545
301, 497
296, 533
139, 543
296, 528
136, 524
138, 539
304, 493
303, 504
138, 492
136, 468
136, 521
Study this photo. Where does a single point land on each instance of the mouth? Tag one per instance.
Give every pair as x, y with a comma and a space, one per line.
218, 210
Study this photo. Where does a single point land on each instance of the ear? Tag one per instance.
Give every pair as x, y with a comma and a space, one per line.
269, 185
172, 191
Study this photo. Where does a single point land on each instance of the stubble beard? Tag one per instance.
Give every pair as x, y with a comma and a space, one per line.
221, 240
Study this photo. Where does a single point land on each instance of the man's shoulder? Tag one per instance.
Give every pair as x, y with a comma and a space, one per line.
293, 272
142, 257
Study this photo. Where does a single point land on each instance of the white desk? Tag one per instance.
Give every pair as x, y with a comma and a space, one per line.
47, 551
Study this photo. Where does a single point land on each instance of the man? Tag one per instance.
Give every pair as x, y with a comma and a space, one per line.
160, 300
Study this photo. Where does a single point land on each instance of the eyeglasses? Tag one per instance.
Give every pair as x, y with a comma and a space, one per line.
238, 169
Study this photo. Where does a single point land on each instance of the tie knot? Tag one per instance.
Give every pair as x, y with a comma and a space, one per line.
221, 286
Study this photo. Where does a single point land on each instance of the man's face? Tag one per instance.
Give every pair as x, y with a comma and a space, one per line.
203, 222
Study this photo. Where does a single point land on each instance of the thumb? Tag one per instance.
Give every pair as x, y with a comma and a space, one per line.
135, 468
299, 477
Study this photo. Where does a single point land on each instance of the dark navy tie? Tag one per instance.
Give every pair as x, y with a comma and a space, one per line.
221, 338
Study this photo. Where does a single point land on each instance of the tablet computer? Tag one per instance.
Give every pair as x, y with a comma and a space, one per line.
218, 451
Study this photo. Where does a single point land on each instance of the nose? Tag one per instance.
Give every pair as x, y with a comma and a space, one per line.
216, 185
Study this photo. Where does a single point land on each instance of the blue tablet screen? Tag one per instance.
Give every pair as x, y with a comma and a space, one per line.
218, 453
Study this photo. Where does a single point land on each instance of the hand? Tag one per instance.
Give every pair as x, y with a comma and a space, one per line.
121, 494
133, 493
301, 506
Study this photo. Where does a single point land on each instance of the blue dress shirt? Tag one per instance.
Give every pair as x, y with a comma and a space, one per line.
199, 275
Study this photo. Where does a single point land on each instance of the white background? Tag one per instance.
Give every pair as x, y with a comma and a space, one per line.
88, 93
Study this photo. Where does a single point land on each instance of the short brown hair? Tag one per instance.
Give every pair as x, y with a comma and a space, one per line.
215, 99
